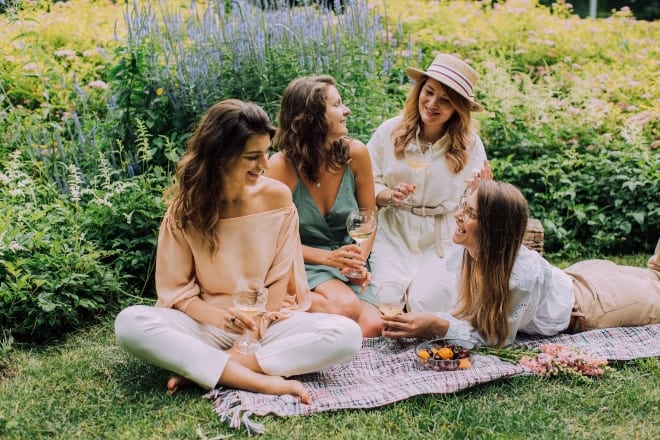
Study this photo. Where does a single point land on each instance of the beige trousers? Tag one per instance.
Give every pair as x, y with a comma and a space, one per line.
610, 295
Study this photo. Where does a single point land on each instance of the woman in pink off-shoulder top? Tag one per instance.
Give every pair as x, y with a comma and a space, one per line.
226, 223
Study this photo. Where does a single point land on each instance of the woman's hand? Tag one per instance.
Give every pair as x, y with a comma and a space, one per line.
362, 281
235, 321
347, 257
414, 325
485, 173
395, 196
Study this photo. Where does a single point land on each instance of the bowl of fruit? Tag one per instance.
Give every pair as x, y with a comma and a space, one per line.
445, 354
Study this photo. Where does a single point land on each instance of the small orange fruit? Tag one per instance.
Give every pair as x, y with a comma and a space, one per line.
445, 353
464, 364
423, 354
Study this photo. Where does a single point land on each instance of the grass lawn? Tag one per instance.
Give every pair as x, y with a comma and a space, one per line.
86, 387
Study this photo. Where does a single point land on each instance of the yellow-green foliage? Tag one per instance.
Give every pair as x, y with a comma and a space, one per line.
47, 48
546, 68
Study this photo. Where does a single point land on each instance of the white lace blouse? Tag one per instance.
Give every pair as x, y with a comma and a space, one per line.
541, 298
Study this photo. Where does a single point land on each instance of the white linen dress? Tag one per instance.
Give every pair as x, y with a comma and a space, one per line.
410, 249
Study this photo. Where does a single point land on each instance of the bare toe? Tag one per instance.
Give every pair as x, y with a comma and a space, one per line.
302, 393
176, 382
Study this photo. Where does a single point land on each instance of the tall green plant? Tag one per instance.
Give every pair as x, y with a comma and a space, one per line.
175, 64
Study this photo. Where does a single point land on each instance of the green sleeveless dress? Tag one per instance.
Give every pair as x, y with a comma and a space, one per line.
328, 232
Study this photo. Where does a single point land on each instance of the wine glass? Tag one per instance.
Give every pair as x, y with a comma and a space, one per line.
390, 298
418, 157
360, 224
249, 297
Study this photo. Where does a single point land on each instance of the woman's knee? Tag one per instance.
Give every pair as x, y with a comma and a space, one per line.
350, 338
370, 321
342, 333
129, 322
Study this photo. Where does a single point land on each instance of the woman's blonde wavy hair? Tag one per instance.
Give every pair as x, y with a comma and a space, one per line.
459, 127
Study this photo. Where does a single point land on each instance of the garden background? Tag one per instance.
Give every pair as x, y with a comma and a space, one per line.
97, 99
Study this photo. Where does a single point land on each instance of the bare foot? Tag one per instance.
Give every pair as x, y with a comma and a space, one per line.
176, 382
280, 386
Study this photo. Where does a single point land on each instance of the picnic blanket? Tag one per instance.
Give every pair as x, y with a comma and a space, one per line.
386, 371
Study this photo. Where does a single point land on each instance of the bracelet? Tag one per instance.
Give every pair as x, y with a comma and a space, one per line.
390, 201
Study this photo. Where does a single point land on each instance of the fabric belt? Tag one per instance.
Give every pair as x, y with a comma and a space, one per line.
437, 212
423, 211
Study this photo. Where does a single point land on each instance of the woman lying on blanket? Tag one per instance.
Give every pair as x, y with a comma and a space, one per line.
227, 222
505, 288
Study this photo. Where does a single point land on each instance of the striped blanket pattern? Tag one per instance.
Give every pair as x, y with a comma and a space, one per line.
385, 371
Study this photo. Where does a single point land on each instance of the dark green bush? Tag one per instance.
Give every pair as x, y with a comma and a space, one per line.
591, 202
52, 279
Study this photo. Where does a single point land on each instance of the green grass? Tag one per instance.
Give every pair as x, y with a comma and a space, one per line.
86, 387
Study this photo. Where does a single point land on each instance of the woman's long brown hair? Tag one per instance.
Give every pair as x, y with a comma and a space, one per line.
302, 127
213, 150
459, 126
483, 295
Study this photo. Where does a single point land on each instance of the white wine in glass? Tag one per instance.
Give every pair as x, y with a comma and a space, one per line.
418, 157
360, 224
250, 297
391, 298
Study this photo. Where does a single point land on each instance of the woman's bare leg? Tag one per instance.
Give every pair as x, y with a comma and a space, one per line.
335, 297
370, 320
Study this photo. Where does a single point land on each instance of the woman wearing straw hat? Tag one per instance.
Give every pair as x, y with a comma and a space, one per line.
415, 224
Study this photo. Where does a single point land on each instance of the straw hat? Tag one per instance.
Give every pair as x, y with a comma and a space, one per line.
453, 73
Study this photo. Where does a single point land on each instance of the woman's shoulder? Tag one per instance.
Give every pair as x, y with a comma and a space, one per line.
528, 269
390, 123
278, 161
357, 148
274, 193
281, 169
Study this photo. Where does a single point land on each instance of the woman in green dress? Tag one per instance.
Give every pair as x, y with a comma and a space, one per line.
329, 175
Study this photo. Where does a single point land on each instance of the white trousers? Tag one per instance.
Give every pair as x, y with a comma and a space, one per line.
170, 339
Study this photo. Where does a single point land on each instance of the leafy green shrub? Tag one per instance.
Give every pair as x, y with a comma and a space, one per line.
66, 259
52, 278
5, 5
591, 202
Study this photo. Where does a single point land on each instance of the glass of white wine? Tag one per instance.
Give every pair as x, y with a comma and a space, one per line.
418, 157
360, 224
250, 297
391, 298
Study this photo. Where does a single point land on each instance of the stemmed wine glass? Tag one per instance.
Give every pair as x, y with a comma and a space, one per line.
360, 224
391, 299
418, 157
250, 297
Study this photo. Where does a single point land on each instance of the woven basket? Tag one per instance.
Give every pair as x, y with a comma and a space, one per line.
533, 238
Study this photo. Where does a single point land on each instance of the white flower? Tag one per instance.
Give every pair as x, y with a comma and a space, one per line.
65, 53
98, 84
